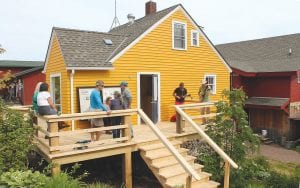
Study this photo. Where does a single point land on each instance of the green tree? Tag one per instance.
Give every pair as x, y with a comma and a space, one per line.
15, 139
230, 130
6, 80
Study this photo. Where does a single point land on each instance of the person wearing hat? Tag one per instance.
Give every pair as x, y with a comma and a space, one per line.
96, 105
126, 95
116, 104
126, 99
203, 93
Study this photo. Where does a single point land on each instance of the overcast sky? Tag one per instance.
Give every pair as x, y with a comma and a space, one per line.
25, 25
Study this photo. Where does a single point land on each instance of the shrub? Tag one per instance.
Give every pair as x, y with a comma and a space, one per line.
23, 179
15, 139
230, 130
63, 180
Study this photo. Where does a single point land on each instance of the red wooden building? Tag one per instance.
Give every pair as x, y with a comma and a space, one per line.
28, 72
268, 71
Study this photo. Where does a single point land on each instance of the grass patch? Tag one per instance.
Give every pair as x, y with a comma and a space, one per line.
288, 169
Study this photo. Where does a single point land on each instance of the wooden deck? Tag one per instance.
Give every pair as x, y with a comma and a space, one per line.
142, 136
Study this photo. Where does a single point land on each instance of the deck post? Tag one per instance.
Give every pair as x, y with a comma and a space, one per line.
178, 123
126, 131
189, 181
53, 141
127, 169
226, 175
55, 169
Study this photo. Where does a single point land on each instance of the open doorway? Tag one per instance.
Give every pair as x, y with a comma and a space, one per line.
148, 95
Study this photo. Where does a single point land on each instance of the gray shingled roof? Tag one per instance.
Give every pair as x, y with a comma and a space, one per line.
263, 55
87, 49
267, 101
25, 64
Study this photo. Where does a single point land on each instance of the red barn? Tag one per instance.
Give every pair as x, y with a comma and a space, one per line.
28, 72
268, 71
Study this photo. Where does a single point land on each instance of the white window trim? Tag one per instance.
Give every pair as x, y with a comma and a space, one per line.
185, 30
51, 88
198, 41
215, 82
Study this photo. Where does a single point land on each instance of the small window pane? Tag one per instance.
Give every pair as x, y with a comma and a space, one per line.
179, 35
195, 39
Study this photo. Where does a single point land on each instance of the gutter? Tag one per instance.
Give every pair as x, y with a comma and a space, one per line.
72, 96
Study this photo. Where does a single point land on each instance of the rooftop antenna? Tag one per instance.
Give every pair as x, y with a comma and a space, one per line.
116, 22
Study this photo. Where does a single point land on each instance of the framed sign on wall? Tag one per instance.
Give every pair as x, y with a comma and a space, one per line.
85, 92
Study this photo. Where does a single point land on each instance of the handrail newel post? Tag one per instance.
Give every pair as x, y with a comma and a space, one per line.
227, 174
178, 123
189, 179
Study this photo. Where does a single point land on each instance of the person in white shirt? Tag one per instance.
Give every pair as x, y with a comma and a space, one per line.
44, 101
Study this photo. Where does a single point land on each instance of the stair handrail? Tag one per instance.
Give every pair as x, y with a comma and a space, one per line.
186, 166
205, 136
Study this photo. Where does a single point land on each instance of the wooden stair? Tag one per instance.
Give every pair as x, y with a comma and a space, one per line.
167, 169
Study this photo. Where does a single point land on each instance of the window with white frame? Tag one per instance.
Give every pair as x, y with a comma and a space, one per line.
55, 90
194, 38
211, 82
179, 35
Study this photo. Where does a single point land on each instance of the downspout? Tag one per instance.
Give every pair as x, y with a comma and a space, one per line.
72, 96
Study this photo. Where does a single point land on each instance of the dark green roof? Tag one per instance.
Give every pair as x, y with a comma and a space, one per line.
27, 64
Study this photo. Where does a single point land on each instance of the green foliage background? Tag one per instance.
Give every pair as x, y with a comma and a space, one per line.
15, 139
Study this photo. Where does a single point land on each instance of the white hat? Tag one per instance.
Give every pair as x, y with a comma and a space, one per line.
204, 81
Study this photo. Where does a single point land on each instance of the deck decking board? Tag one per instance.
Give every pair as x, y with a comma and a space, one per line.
142, 136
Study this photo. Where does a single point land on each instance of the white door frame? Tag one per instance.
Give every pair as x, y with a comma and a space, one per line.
139, 92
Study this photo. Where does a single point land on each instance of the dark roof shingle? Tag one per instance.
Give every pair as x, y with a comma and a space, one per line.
25, 64
264, 55
87, 48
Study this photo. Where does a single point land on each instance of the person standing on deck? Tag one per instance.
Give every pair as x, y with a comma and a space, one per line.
126, 99
116, 104
203, 93
96, 105
180, 94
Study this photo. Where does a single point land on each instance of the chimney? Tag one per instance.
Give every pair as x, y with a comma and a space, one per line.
150, 7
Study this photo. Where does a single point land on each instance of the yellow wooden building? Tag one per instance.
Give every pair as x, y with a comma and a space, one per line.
153, 54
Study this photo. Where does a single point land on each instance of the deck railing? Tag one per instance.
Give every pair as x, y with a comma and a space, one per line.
48, 125
181, 115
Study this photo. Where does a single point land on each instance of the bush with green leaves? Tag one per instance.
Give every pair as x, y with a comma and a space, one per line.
15, 139
38, 180
230, 130
23, 179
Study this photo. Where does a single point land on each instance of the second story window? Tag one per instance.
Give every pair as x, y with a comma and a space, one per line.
194, 38
179, 35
